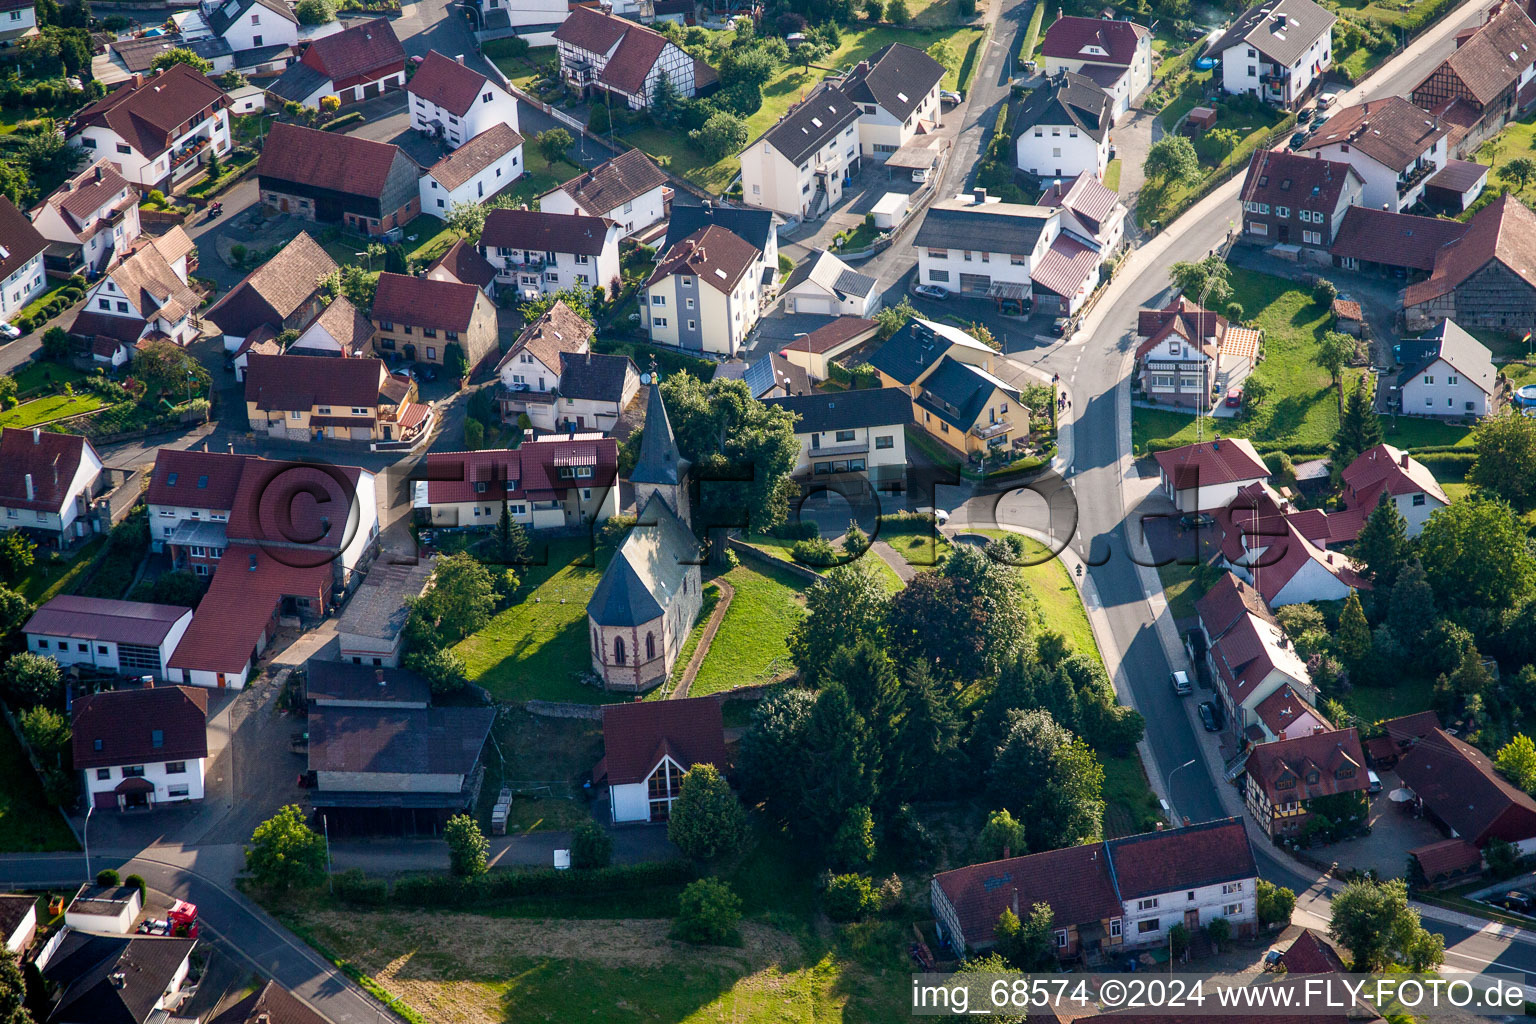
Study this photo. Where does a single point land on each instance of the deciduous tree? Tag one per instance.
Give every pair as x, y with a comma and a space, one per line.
707, 913
1002, 837
1171, 158
1475, 553
285, 852
180, 55
1275, 903
707, 821
1050, 780
17, 553
846, 606
467, 846
1029, 944
1375, 923
1517, 760
1333, 354
31, 679
721, 135
1506, 459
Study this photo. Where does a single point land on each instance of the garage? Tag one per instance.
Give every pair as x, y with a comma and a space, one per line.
803, 303
973, 284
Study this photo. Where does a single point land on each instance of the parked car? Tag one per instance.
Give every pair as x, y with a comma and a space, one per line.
921, 175
1298, 140
1181, 686
1210, 715
1059, 325
10, 331
1375, 782
1234, 398
1325, 100
1305, 116
931, 291
949, 96
1196, 520
1518, 901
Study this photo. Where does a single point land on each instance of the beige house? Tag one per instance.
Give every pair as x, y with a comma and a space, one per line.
955, 395
703, 295
310, 398
551, 483
418, 318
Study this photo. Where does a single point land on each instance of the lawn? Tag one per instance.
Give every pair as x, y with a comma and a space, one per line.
546, 761
1302, 410
427, 238
920, 545
27, 823
1252, 124
783, 549
536, 649
1112, 174
47, 578
1375, 703
707, 608
673, 150
40, 375
1178, 580
521, 71
34, 307
1516, 139
752, 645
49, 408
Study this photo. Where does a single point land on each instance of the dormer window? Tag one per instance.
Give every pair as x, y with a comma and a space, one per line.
1312, 778
480, 486
1346, 772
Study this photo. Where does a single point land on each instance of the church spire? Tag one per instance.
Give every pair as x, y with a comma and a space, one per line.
659, 461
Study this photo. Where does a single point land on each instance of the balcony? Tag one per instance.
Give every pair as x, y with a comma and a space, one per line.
992, 430
523, 397
1275, 77
836, 450
1412, 178
188, 152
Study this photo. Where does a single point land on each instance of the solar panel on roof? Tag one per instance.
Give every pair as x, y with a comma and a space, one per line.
996, 881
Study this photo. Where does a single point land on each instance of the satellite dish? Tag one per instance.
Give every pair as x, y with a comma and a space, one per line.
645, 378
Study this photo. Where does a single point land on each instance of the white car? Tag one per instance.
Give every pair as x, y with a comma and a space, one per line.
946, 96
921, 175
1325, 100
10, 331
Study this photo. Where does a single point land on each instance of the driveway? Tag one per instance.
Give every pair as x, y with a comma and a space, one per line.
1132, 138
1394, 831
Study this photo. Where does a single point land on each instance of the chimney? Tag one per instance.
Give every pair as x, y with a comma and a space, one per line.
1015, 902
99, 172
118, 979
459, 57
378, 674
137, 80
978, 195
231, 447
37, 435
1403, 460
31, 491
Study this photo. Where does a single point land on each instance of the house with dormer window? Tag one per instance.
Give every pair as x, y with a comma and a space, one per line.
144, 296
141, 748
797, 167
1277, 51
96, 212
456, 103
647, 748
1282, 778
897, 91
538, 253
1116, 54
157, 129
556, 482
603, 53
1291, 199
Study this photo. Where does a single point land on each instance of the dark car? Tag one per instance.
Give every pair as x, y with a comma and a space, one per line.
1210, 716
1517, 900
1305, 116
1194, 520
1299, 139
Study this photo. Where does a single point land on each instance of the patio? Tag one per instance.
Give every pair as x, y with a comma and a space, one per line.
1394, 831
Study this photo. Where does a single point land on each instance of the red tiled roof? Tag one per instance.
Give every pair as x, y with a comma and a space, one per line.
118, 726
1446, 857
361, 53
204, 480
475, 155
1462, 787
1075, 882
829, 336
1400, 472
591, 30
1325, 754
1492, 58
717, 256
102, 618
635, 735
1396, 239
303, 382
1296, 552
92, 189
19, 238
240, 602
559, 330
50, 459
532, 470
1086, 197
1283, 708
1247, 646
1065, 266
275, 290
546, 232
447, 83
632, 62
329, 160
611, 184
1212, 462
1300, 182
423, 302
1181, 858
1311, 954
90, 323
465, 263
1070, 38
1391, 131
1504, 230
1410, 728
147, 114
301, 507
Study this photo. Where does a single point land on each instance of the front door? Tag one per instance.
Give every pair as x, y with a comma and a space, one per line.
1192, 920
223, 680
1284, 233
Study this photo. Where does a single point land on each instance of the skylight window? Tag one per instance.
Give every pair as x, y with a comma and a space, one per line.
902, 96
720, 273
816, 121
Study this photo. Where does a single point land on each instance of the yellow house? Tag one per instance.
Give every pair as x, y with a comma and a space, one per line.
309, 398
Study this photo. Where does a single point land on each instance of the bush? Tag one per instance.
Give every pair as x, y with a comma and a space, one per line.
1324, 292
467, 846
614, 529
707, 914
850, 897
474, 435
795, 529
591, 847
354, 887
813, 551
137, 882
108, 877
440, 890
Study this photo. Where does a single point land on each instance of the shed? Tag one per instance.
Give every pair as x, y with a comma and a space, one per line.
104, 908
1454, 187
890, 210
1199, 121
1348, 318
1447, 860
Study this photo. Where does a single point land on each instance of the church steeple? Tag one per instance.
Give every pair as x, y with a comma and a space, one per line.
661, 471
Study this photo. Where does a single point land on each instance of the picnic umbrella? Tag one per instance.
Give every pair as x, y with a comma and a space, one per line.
1400, 795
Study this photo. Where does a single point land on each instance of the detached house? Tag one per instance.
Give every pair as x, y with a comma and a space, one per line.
549, 483
21, 260
282, 294
1296, 200
629, 190
1460, 787
550, 376
861, 431
419, 318
144, 296
463, 263
537, 253
92, 216
897, 92
478, 169
249, 30
1283, 551
47, 484
19, 22
1485, 278
457, 103
955, 396
603, 53
141, 748
339, 330
1283, 777
1385, 471
131, 979
353, 64
825, 284
1116, 54
157, 129
1277, 51
306, 398
1063, 128
1486, 81
329, 177
1089, 211
1393, 145
647, 748
1108, 896
1191, 356
1447, 373
1207, 476
706, 293
1249, 656
129, 638
797, 167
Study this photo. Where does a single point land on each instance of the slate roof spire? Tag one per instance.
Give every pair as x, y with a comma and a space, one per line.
660, 462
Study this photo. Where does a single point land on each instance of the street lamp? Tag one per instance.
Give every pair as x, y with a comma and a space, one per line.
368, 256
1171, 774
86, 835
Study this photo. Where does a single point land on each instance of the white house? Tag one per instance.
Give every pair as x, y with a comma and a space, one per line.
629, 190
362, 60
1395, 147
21, 260
561, 482
1387, 471
1249, 656
530, 371
47, 482
19, 21
537, 253
1205, 476
797, 167
340, 330
1115, 54
897, 92
1282, 550
157, 129
456, 103
1447, 373
97, 210
603, 53
550, 376
18, 921
862, 431
474, 172
190, 487
826, 285
1089, 210
128, 638
251, 24
1189, 354
144, 294
1276, 51
704, 295
648, 746
533, 20
141, 748
1063, 128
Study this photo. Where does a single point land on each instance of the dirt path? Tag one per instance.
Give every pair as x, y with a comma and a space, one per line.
727, 592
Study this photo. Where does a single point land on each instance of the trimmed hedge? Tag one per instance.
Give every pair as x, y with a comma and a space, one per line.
1448, 464
436, 890
342, 121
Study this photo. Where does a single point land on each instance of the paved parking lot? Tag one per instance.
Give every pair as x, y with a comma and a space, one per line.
1394, 831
